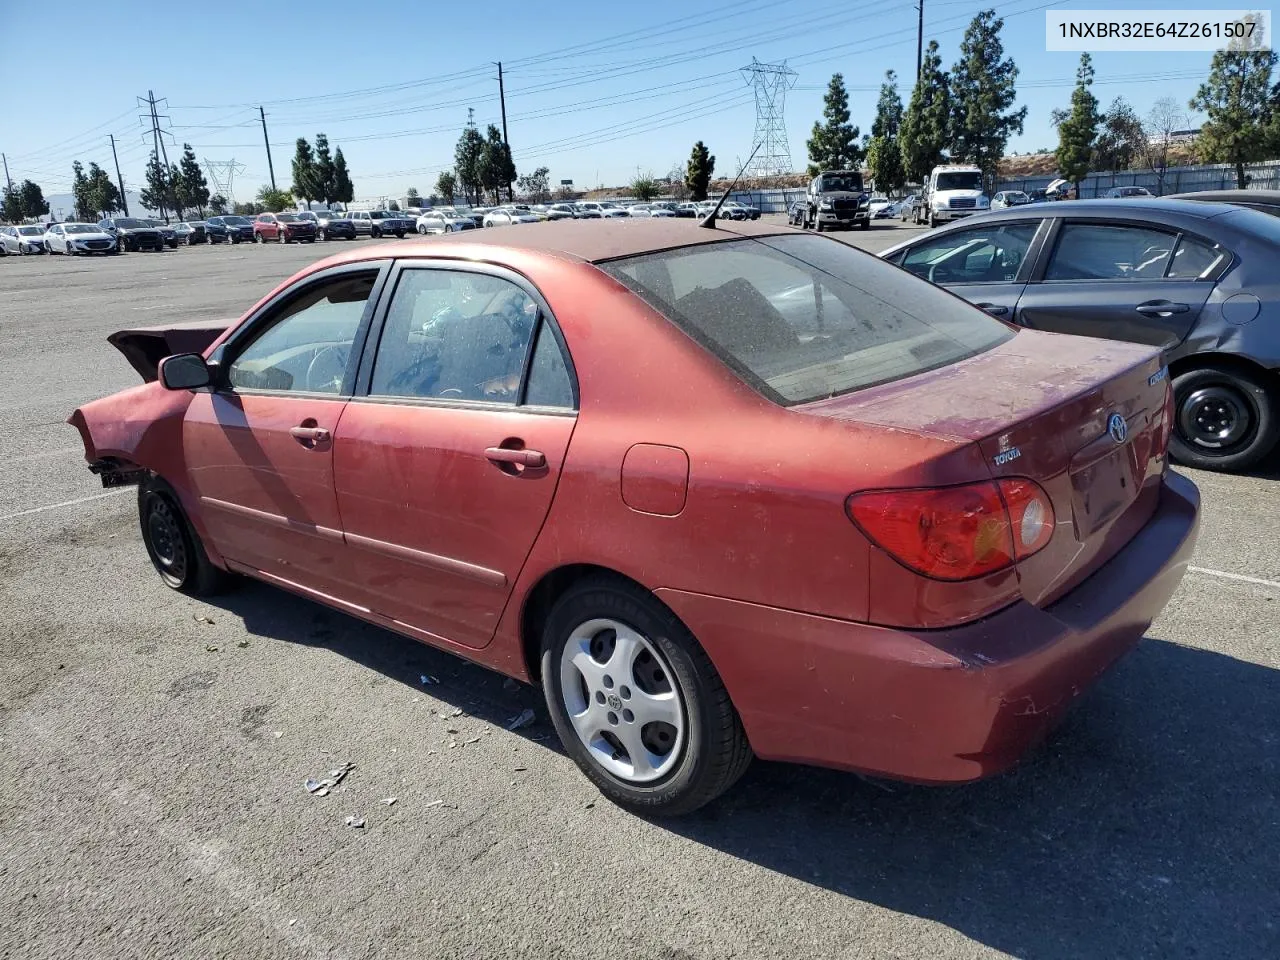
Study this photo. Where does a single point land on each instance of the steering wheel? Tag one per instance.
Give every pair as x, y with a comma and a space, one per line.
327, 368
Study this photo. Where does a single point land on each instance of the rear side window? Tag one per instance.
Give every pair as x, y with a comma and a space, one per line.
1194, 259
1097, 251
803, 318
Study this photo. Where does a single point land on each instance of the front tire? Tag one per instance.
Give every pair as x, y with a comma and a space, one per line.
637, 702
1224, 418
172, 543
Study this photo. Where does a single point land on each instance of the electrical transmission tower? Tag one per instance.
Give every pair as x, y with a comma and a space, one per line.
222, 175
771, 81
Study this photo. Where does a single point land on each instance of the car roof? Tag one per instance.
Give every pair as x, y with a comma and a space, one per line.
1121, 208
593, 242
1270, 197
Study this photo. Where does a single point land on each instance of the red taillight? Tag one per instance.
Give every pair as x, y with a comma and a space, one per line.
956, 533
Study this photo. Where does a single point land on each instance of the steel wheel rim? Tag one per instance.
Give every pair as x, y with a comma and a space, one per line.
623, 701
1215, 417
168, 546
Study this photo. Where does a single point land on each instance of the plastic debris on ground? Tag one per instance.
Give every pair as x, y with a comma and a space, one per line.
201, 618
321, 788
242, 644
211, 648
389, 801
436, 803
428, 680
355, 823
525, 719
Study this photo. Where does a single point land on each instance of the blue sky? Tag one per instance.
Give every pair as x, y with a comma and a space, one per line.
595, 91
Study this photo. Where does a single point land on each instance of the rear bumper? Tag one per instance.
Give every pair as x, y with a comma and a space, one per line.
938, 706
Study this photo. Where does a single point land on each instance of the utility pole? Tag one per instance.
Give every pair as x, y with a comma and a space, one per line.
156, 146
7, 178
502, 99
920, 42
272, 170
119, 179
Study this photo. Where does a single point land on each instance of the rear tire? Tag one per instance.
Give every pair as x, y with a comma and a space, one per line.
1224, 418
686, 762
172, 543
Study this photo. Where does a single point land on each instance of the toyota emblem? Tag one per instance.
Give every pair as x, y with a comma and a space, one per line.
1118, 429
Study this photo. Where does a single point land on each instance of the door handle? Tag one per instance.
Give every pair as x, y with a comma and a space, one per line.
995, 309
309, 435
1161, 308
524, 458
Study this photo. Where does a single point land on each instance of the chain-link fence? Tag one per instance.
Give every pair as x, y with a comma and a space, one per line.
1217, 176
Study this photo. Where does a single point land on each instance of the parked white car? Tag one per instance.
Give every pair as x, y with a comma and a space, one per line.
506, 218
23, 238
443, 221
648, 210
1009, 198
77, 238
607, 208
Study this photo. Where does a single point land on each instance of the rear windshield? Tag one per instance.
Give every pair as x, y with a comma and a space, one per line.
802, 318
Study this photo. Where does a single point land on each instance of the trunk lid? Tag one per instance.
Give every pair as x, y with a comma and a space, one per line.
1042, 406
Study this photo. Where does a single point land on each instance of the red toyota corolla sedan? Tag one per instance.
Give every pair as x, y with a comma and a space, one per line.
722, 492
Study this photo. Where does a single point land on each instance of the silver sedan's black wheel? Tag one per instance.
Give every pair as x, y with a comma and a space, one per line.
1224, 419
637, 702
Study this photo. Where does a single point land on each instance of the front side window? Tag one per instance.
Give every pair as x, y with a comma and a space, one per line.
306, 346
992, 253
454, 335
803, 318
1109, 251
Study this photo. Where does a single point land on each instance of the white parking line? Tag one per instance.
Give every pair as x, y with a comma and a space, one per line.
1235, 576
64, 503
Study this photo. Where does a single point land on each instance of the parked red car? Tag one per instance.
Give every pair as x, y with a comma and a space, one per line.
283, 227
722, 492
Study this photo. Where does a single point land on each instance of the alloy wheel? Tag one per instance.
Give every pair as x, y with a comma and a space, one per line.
623, 700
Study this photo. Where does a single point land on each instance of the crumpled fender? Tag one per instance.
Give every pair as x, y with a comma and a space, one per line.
136, 430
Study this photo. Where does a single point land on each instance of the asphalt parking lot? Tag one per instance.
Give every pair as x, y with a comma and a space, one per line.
154, 749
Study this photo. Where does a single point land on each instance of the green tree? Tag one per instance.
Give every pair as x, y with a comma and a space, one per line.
982, 97
1078, 131
275, 200
217, 204
325, 179
304, 186
155, 195
833, 145
190, 185
698, 171
80, 193
31, 201
446, 186
1236, 102
1120, 138
644, 187
884, 152
536, 186
467, 157
412, 198
343, 190
250, 209
496, 169
11, 205
927, 121
103, 195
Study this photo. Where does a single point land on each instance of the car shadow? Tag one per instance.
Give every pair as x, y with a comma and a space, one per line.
1147, 825
276, 614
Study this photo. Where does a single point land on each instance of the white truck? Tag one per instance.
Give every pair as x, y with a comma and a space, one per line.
952, 192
